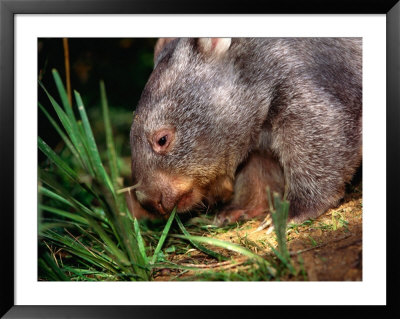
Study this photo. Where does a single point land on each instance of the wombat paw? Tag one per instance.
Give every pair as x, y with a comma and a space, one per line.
230, 216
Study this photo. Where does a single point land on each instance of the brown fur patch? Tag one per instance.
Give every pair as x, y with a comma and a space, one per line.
250, 199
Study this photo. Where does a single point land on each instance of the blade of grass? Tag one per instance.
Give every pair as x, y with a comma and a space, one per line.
279, 216
139, 270
284, 260
112, 156
132, 245
61, 194
63, 95
83, 140
60, 132
47, 192
83, 274
163, 236
120, 257
65, 171
45, 225
94, 260
74, 246
198, 246
56, 159
233, 247
92, 147
112, 218
109, 244
65, 214
125, 228
52, 269
81, 208
72, 130
139, 238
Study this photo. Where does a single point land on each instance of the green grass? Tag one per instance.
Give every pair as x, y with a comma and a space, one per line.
103, 236
86, 232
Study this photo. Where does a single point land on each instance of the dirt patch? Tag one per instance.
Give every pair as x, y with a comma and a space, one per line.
333, 254
328, 248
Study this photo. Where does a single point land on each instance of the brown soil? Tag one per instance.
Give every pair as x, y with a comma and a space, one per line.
330, 246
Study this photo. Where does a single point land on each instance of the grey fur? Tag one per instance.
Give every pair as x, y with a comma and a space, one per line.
296, 100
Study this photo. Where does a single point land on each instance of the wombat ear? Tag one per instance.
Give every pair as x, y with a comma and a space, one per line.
214, 46
160, 44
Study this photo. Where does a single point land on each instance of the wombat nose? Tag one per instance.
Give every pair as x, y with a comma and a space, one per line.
166, 204
156, 203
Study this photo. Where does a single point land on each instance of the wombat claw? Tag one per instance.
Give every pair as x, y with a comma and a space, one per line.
266, 224
230, 216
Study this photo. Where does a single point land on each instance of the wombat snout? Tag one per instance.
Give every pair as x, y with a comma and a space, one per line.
170, 192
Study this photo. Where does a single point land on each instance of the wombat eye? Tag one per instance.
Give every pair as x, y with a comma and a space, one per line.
162, 140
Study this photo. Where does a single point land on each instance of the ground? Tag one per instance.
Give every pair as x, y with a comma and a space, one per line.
328, 248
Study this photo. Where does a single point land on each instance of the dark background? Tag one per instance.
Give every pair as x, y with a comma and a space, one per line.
124, 64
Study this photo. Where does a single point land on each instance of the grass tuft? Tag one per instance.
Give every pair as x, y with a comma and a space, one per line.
279, 210
82, 214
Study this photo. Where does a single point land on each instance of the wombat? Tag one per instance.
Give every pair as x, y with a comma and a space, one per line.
221, 119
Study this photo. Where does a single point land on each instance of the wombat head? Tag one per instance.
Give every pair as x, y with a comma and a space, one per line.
185, 138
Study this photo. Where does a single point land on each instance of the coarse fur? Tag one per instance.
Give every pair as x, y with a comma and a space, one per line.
242, 114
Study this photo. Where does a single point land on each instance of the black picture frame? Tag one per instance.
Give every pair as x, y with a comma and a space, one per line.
8, 10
